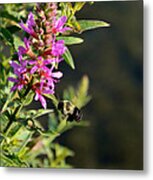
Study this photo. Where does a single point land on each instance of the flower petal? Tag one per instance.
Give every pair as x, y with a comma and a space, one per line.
30, 22
43, 101
14, 88
20, 86
14, 65
57, 74
31, 62
36, 96
33, 69
24, 27
60, 22
27, 43
66, 29
12, 79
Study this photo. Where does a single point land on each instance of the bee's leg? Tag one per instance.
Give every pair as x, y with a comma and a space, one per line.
70, 118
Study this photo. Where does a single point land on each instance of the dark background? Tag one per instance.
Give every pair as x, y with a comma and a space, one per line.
113, 59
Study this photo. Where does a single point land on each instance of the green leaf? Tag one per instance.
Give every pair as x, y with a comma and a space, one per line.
19, 139
82, 97
42, 112
69, 93
91, 24
52, 122
17, 42
70, 40
7, 36
62, 126
7, 161
2, 74
68, 58
32, 114
70, 125
28, 99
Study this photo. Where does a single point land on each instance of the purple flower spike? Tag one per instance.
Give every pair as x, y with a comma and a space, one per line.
41, 53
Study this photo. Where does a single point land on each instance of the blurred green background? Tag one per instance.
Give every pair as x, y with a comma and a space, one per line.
113, 60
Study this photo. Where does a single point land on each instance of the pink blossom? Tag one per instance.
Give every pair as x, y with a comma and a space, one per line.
40, 89
39, 64
19, 68
58, 48
50, 77
58, 25
20, 82
20, 71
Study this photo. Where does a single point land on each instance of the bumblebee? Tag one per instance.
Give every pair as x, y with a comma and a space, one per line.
70, 110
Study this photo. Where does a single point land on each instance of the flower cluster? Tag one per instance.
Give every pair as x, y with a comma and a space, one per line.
38, 59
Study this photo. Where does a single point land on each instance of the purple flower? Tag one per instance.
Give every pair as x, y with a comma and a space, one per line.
19, 69
20, 82
39, 64
58, 48
40, 89
23, 50
51, 77
58, 25
29, 26
38, 96
46, 84
41, 99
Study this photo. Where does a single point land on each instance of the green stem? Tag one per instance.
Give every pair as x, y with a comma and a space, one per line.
6, 131
8, 125
16, 111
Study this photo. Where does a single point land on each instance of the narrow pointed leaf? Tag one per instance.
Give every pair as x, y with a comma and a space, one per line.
70, 40
91, 24
42, 112
68, 59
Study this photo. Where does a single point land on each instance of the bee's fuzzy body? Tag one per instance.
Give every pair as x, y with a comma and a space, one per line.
70, 110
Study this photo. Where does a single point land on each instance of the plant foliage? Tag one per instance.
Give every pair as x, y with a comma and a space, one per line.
24, 141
